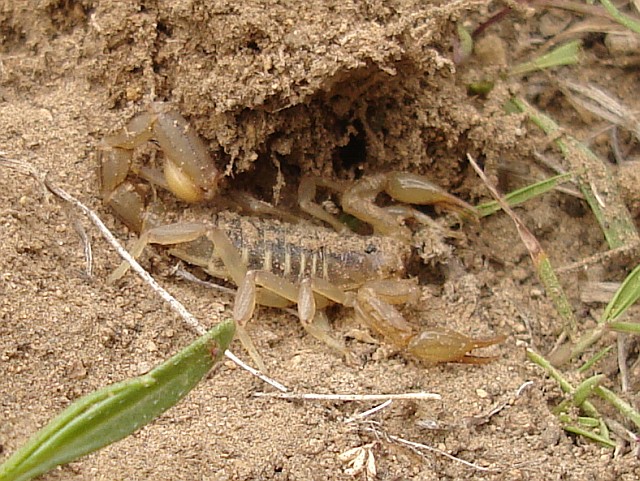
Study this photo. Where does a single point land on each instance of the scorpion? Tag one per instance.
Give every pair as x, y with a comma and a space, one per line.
280, 264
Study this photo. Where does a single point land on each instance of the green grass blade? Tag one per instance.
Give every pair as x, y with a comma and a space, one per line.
481, 87
551, 371
524, 194
624, 297
585, 389
589, 364
629, 22
621, 405
625, 327
114, 412
590, 435
586, 406
586, 340
588, 422
594, 180
466, 41
567, 54
554, 290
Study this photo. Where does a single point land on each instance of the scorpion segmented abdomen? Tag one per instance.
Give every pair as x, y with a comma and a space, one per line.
294, 251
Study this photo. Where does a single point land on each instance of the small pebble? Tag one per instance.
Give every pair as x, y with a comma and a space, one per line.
143, 367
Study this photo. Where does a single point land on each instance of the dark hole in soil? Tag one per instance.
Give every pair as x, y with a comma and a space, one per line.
354, 153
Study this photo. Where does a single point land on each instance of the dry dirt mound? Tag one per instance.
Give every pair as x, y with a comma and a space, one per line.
277, 90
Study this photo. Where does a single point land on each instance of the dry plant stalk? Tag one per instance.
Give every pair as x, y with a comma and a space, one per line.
602, 104
540, 260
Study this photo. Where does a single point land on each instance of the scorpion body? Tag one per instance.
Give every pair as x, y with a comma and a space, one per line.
298, 251
280, 264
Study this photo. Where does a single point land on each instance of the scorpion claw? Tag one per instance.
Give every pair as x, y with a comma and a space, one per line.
444, 345
418, 190
189, 171
410, 189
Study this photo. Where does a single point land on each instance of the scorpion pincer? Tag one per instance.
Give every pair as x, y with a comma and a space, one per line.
280, 264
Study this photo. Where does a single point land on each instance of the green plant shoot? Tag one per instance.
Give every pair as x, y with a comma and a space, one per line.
112, 413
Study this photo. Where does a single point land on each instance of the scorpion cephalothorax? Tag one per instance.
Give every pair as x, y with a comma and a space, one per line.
280, 264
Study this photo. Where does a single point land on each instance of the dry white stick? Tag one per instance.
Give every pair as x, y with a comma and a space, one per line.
86, 243
369, 412
182, 273
623, 352
602, 104
523, 387
189, 318
420, 446
176, 305
350, 397
272, 382
600, 257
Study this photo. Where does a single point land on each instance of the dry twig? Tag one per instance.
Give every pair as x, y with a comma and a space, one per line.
350, 397
419, 447
176, 305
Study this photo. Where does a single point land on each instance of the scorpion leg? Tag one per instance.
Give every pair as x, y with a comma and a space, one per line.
313, 320
256, 207
311, 292
374, 308
359, 201
306, 195
170, 234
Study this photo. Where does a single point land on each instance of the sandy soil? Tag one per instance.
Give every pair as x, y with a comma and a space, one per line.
339, 89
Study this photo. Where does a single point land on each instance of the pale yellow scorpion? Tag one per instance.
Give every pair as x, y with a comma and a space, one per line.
280, 264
